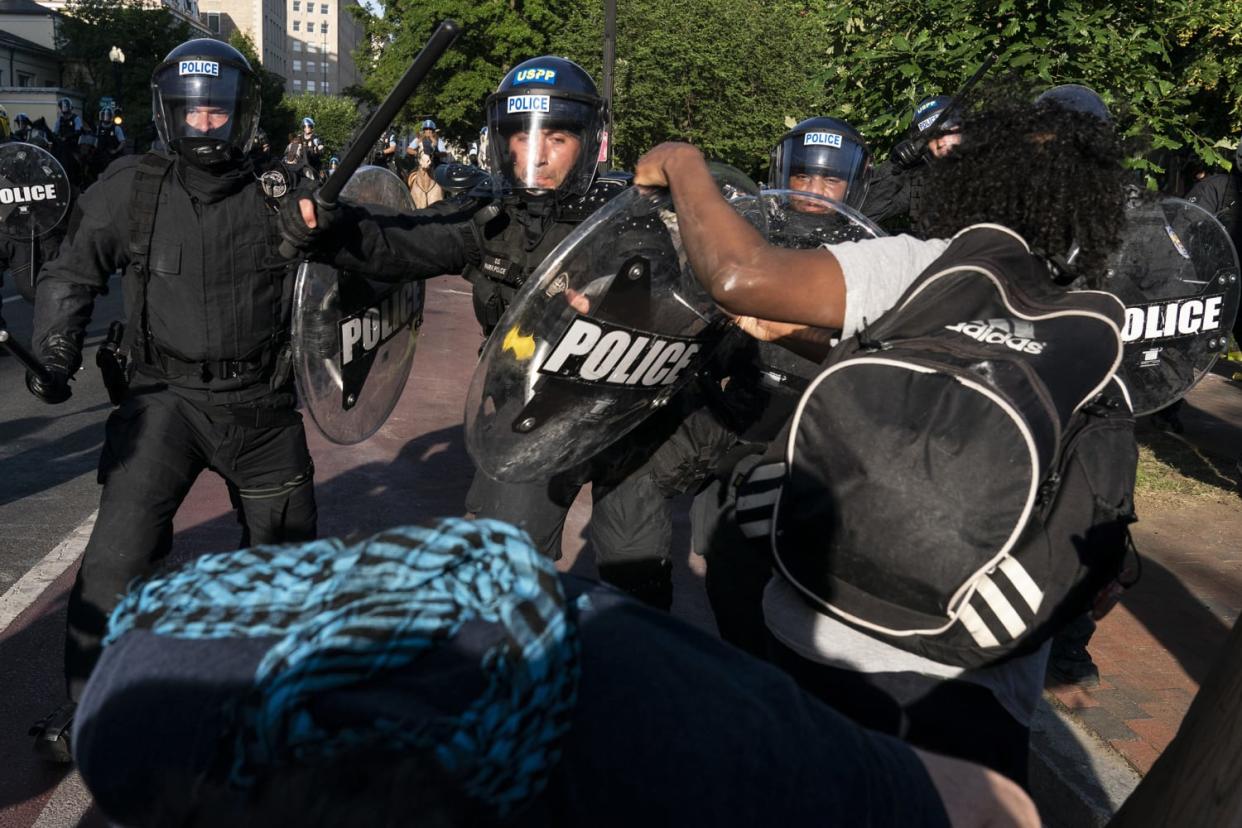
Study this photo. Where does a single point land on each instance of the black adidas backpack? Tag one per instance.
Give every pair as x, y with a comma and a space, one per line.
958, 479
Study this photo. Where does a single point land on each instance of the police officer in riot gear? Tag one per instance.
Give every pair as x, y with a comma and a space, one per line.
69, 125
825, 156
546, 124
895, 198
207, 340
208, 295
546, 120
1218, 194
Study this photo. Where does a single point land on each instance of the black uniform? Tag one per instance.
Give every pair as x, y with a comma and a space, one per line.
1218, 194
497, 262
209, 310
209, 319
895, 199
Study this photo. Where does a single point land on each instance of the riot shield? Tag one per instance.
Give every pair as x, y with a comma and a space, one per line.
34, 191
354, 339
1177, 273
604, 333
794, 219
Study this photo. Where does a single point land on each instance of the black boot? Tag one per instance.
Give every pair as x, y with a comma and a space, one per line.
51, 734
650, 581
1069, 662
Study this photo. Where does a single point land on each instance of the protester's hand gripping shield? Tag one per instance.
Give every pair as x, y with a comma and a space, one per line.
354, 339
606, 331
1176, 271
34, 191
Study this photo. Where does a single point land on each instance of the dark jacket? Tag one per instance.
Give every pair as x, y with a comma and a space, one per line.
218, 296
894, 199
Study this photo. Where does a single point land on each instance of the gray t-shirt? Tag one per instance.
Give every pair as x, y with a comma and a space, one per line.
877, 272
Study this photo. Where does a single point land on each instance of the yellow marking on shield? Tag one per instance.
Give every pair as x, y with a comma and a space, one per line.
523, 347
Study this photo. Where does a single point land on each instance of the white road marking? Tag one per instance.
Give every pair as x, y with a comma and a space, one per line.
68, 804
31, 585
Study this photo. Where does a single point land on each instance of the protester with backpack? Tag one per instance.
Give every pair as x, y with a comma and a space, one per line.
957, 481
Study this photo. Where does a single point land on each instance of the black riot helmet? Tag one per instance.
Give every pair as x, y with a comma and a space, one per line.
1077, 98
927, 115
205, 100
539, 109
823, 147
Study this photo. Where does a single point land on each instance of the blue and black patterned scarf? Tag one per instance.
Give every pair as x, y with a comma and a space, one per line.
347, 616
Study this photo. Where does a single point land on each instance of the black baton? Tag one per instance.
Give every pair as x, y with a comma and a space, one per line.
357, 152
32, 363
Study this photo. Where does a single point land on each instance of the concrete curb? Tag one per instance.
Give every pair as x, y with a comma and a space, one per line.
1077, 780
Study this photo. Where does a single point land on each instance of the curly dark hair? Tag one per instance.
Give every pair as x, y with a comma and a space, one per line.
1050, 174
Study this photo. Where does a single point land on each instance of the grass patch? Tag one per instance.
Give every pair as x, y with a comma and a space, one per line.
1170, 466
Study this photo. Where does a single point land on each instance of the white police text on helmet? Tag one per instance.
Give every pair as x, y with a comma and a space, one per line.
199, 67
822, 139
528, 103
366, 331
1181, 317
536, 75
603, 354
27, 194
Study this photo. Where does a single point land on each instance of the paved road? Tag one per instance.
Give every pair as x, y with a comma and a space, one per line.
48, 454
413, 469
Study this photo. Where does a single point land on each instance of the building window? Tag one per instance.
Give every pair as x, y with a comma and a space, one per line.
323, 8
297, 25
213, 22
323, 28
24, 79
297, 5
297, 84
310, 67
325, 87
310, 86
295, 44
297, 66
312, 48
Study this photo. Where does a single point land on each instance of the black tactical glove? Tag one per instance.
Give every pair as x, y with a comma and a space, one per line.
61, 358
297, 235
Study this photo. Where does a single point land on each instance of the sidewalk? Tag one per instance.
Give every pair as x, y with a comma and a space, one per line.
1156, 647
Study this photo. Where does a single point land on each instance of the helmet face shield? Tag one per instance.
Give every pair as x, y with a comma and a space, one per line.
205, 109
822, 160
544, 140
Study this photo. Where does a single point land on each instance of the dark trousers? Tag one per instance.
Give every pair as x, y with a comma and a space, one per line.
738, 568
631, 528
630, 521
956, 718
156, 445
633, 483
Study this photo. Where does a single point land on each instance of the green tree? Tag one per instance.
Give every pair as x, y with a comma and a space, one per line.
495, 35
336, 118
89, 31
1168, 68
276, 118
724, 74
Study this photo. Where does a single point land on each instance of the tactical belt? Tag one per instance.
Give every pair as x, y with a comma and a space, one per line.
210, 369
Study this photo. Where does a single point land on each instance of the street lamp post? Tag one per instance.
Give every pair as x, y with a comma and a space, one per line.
118, 59
610, 55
